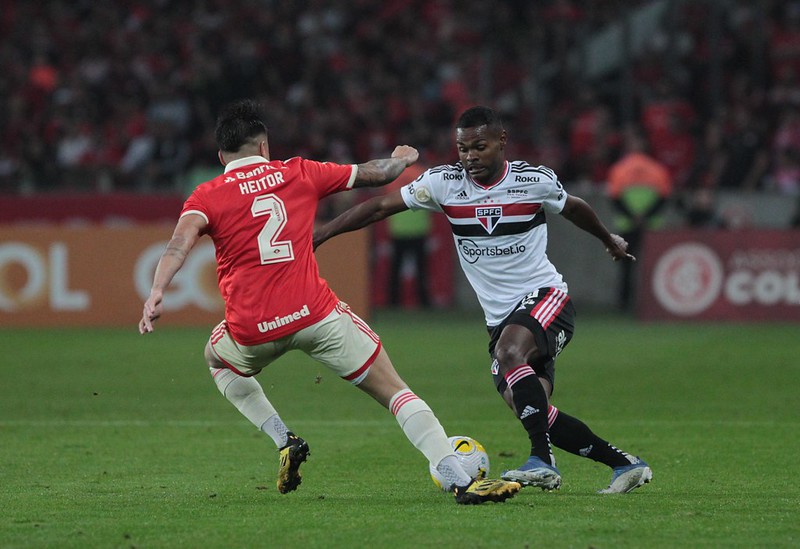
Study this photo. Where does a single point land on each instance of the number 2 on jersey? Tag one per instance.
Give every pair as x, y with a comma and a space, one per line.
272, 250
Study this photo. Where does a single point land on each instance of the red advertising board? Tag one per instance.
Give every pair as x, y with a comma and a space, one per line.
745, 275
100, 276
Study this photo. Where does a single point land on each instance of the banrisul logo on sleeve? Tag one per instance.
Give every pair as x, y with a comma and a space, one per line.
489, 216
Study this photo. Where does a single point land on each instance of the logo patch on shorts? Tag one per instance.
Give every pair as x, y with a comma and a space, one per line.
561, 340
529, 299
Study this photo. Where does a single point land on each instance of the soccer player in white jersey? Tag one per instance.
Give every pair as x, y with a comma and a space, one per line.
260, 215
497, 211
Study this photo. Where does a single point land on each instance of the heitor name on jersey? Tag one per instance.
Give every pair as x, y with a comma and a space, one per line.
261, 184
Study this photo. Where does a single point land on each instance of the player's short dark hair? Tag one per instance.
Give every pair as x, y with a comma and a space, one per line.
479, 116
239, 123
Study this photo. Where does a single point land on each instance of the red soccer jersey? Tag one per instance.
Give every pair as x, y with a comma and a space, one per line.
260, 216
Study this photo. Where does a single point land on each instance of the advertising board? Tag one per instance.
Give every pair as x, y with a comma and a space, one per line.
744, 275
99, 276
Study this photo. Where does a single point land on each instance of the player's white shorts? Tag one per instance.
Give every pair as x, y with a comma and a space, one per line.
341, 341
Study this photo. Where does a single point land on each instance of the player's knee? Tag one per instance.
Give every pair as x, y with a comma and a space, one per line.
382, 380
511, 355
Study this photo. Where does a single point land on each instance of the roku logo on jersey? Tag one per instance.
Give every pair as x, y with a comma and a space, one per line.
471, 252
279, 321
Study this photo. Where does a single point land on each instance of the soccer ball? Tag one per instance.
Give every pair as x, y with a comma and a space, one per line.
472, 456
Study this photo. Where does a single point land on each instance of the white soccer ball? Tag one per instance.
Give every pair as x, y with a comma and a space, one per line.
473, 458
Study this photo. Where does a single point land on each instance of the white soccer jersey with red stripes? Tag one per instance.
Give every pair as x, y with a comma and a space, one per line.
500, 230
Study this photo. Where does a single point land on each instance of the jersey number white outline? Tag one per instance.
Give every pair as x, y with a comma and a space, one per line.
271, 249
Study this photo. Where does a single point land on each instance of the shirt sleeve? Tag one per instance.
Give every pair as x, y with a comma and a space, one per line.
328, 177
556, 196
194, 205
420, 194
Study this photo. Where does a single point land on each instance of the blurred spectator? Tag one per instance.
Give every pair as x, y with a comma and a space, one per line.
795, 222
593, 139
744, 156
785, 91
737, 216
676, 149
709, 158
701, 211
639, 186
665, 114
157, 159
785, 176
75, 154
785, 39
785, 173
9, 171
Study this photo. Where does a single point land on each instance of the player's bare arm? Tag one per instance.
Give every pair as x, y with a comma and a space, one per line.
184, 237
366, 213
385, 170
577, 211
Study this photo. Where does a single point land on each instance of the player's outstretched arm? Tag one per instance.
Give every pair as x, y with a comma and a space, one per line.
185, 236
382, 171
577, 211
361, 215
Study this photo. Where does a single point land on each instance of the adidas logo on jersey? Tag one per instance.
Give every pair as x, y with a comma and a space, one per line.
528, 411
462, 195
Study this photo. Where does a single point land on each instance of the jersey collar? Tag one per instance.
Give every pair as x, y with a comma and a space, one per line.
495, 183
239, 162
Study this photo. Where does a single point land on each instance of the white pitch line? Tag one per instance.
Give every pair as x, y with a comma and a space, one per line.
359, 423
180, 423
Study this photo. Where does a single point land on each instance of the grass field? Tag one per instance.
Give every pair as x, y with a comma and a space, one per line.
110, 439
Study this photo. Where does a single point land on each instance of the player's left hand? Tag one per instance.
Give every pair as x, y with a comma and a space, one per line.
407, 153
618, 249
151, 312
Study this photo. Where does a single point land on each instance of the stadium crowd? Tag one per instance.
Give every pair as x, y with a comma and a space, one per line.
120, 96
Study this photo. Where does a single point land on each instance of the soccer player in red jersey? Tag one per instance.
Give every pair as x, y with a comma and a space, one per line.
497, 212
260, 215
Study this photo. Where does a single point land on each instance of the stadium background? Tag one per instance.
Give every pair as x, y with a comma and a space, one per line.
108, 439
108, 109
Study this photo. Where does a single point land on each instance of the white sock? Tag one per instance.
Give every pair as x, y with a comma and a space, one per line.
452, 471
247, 395
427, 435
276, 428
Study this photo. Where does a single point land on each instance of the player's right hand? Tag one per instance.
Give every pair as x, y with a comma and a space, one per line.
618, 249
407, 153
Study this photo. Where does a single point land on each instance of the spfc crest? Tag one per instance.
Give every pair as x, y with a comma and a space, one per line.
489, 217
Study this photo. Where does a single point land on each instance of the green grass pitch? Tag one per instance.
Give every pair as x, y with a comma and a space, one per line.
111, 439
